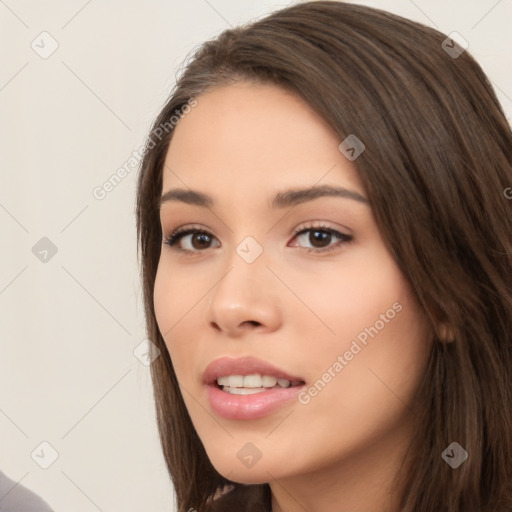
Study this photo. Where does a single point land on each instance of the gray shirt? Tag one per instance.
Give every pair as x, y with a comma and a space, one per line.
16, 498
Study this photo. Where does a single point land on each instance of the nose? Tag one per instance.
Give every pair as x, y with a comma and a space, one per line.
245, 299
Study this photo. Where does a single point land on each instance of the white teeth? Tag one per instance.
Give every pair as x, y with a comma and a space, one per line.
253, 382
222, 381
242, 391
234, 381
284, 383
269, 382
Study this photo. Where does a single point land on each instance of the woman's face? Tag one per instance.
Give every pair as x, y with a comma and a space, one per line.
299, 280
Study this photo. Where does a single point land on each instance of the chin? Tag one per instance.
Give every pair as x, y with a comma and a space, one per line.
260, 473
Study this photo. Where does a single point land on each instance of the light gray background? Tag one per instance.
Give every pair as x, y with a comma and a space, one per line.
69, 325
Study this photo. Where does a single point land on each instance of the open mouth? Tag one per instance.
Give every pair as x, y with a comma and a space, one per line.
248, 388
252, 384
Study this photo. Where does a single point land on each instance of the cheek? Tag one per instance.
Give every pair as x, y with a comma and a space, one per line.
348, 298
170, 301
363, 389
368, 316
164, 300
175, 296
177, 301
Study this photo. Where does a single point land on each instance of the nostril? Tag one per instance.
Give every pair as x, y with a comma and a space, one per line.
215, 326
252, 322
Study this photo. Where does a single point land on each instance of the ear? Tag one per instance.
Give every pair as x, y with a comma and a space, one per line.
446, 333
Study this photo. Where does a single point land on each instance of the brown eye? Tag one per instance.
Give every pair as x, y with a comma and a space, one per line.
200, 240
191, 240
320, 239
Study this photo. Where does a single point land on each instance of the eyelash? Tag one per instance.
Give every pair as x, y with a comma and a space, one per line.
179, 233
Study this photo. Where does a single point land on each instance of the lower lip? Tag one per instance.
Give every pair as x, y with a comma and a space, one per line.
249, 407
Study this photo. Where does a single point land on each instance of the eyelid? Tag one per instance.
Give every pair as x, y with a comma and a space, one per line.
322, 225
177, 235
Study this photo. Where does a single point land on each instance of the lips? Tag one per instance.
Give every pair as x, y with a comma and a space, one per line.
248, 403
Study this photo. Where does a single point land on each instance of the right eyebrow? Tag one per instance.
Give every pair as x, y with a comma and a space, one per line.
187, 196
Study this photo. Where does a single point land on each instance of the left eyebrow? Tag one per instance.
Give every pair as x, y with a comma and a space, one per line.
302, 195
281, 200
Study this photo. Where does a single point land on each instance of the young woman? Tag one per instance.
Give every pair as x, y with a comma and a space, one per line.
326, 251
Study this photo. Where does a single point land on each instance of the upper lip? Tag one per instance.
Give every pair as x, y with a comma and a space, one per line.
226, 366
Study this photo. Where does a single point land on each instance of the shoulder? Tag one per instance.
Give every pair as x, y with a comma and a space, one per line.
14, 497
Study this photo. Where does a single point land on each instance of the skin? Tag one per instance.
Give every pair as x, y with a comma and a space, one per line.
299, 310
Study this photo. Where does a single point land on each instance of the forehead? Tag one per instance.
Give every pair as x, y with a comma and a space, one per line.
245, 135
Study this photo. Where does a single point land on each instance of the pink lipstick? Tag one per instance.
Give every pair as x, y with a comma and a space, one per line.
248, 388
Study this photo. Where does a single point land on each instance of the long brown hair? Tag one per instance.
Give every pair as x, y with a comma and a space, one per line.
438, 159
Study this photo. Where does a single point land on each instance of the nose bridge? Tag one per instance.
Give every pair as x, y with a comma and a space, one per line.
249, 250
245, 268
244, 294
